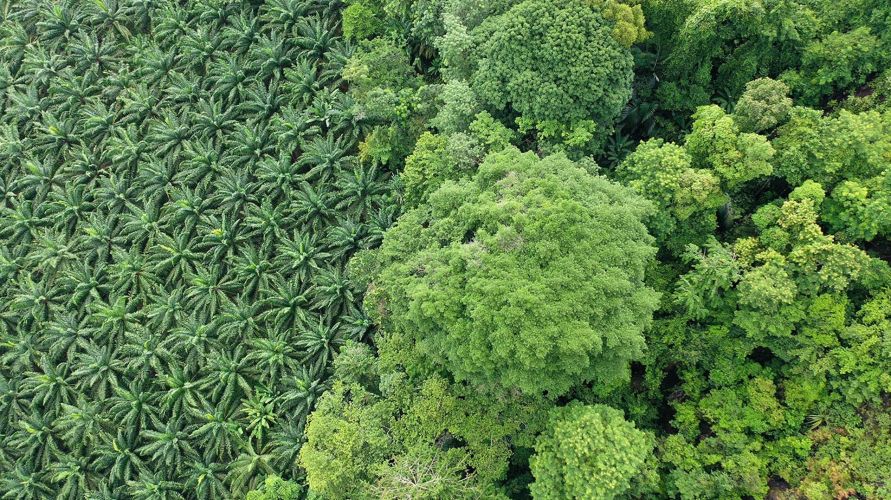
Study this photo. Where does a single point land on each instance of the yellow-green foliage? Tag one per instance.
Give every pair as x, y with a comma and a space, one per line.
848, 154
362, 19
276, 488
687, 197
426, 168
764, 105
717, 143
587, 452
628, 20
408, 439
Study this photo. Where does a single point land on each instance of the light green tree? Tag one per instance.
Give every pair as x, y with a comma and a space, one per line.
764, 105
687, 197
717, 143
587, 452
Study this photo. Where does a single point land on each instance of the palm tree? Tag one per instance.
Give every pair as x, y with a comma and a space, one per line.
211, 121
58, 25
251, 269
261, 414
338, 55
318, 341
300, 255
361, 190
346, 237
323, 156
283, 302
219, 430
132, 408
271, 54
199, 46
192, 342
240, 33
141, 225
315, 36
229, 376
107, 16
82, 425
314, 208
282, 15
249, 144
72, 477
115, 193
332, 290
205, 479
127, 150
67, 206
183, 390
273, 355
222, 238
146, 354
174, 256
165, 309
238, 320
249, 467
185, 209
112, 320
36, 299
291, 126
345, 117
119, 459
168, 133
201, 165
301, 81
36, 440
39, 177
302, 390
97, 237
277, 177
132, 274
168, 446
24, 483
285, 442
54, 255
138, 105
19, 224
261, 101
22, 351
355, 322
171, 20
14, 400
178, 199
97, 370
151, 486
266, 222
228, 76
208, 291
154, 178
64, 336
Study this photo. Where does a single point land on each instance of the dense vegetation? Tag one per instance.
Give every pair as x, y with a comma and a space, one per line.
445, 249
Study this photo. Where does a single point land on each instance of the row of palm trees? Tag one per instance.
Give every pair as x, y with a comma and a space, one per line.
179, 196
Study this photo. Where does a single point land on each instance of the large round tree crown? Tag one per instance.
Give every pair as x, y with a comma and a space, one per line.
528, 275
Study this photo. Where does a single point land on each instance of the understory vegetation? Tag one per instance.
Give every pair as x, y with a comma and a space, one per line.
581, 249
